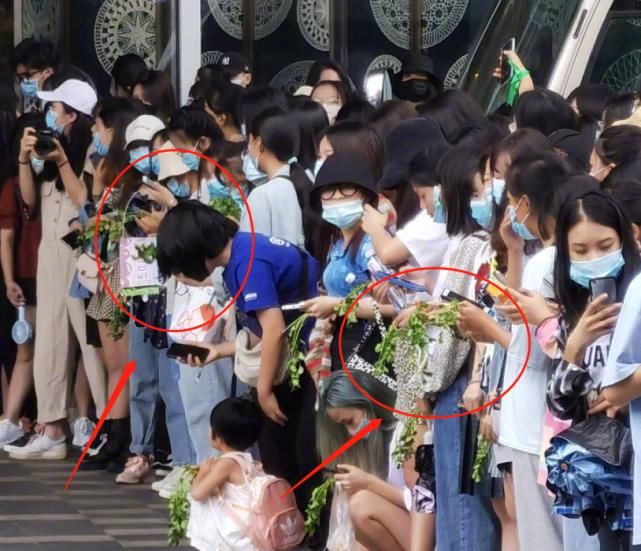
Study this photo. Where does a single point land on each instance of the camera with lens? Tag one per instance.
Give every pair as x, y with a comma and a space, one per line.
44, 143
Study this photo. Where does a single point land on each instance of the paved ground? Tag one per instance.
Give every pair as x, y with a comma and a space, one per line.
94, 515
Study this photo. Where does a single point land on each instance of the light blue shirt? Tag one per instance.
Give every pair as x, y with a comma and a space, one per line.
624, 359
344, 273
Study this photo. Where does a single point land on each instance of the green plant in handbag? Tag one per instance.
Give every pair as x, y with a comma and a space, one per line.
483, 448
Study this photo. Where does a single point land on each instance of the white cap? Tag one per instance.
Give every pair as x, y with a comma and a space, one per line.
77, 94
171, 163
143, 128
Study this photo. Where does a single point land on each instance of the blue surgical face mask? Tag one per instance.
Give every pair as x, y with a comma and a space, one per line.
520, 228
51, 120
482, 211
317, 166
439, 211
101, 149
179, 189
610, 265
191, 161
344, 215
353, 432
498, 188
155, 164
29, 88
144, 166
251, 170
38, 165
217, 189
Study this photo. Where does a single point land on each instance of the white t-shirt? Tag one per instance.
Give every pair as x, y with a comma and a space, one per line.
425, 239
523, 407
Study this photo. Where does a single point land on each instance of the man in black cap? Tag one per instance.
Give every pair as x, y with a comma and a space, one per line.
237, 68
416, 83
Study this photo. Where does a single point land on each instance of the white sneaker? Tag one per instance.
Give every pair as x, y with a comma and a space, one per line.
41, 447
82, 430
167, 486
9, 432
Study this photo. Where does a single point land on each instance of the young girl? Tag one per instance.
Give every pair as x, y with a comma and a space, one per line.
221, 485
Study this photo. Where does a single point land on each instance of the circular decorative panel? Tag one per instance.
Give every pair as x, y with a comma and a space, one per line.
454, 73
292, 77
624, 74
440, 18
211, 57
383, 62
313, 21
269, 16
125, 27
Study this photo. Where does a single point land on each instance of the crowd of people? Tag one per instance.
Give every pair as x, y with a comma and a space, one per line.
312, 198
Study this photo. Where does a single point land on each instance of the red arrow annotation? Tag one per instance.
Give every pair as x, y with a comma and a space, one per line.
124, 378
370, 427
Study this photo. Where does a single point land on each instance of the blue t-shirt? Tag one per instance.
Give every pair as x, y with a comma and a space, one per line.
624, 359
344, 273
274, 279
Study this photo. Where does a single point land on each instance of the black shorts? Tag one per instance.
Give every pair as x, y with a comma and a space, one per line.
28, 286
93, 336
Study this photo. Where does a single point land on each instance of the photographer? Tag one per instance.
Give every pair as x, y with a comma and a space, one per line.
61, 320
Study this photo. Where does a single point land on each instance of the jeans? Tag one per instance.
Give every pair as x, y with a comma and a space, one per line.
463, 522
156, 376
201, 390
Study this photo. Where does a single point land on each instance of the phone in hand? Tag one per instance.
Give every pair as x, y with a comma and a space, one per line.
450, 296
178, 351
506, 68
71, 239
295, 306
604, 285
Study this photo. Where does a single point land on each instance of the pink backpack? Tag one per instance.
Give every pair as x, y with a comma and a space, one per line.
275, 524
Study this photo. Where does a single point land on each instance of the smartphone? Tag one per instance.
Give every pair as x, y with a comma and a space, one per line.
450, 296
506, 69
71, 239
179, 351
607, 285
295, 306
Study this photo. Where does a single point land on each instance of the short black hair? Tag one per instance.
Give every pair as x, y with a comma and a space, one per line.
189, 234
34, 54
238, 422
544, 110
129, 70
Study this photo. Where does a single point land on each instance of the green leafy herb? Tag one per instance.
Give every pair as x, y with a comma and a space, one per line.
405, 446
226, 206
414, 333
179, 508
296, 361
483, 448
147, 253
316, 505
347, 302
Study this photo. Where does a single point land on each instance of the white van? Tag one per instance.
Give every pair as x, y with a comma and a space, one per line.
564, 43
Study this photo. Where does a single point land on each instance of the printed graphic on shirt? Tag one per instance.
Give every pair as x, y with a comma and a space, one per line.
596, 357
279, 242
251, 296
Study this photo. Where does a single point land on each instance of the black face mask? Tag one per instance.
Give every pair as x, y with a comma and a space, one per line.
414, 89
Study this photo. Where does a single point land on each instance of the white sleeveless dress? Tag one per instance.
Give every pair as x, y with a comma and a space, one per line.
212, 528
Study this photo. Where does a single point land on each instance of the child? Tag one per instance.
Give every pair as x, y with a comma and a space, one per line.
221, 498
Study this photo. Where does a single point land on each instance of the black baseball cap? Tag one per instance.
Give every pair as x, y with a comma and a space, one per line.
235, 63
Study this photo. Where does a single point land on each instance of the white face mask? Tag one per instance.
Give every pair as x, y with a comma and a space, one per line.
332, 110
512, 127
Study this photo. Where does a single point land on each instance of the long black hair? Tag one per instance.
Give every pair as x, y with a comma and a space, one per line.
312, 121
117, 114
223, 99
457, 170
452, 110
538, 176
313, 77
256, 100
600, 208
280, 135
159, 94
195, 123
